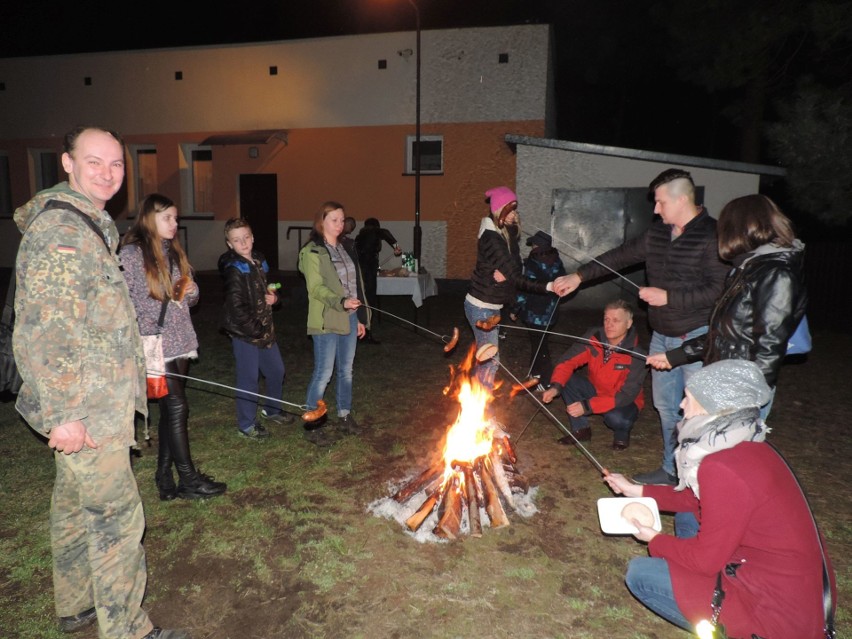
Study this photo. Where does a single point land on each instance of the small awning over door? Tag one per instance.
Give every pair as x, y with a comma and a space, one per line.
264, 136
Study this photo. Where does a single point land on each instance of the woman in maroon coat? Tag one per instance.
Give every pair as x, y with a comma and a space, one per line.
756, 530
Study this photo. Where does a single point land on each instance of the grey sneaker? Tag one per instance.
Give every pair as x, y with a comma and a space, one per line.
657, 477
278, 418
255, 431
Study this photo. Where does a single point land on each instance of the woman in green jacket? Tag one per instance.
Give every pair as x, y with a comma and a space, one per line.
336, 317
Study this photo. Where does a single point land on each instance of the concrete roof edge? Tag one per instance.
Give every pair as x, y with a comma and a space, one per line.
650, 156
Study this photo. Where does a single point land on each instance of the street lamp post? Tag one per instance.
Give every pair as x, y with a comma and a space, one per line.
418, 233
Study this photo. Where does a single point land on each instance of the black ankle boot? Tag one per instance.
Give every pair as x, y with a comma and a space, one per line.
199, 486
165, 484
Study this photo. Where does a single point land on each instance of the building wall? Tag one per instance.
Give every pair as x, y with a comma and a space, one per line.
346, 121
540, 170
322, 82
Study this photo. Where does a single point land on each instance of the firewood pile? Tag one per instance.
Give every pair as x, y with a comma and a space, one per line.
443, 504
474, 483
468, 493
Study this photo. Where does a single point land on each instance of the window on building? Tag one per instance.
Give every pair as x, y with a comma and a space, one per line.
45, 168
5, 187
142, 172
197, 179
431, 154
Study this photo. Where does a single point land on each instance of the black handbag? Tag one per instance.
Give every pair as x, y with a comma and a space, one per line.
10, 379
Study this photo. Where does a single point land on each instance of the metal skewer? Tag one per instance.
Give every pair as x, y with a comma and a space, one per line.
611, 270
488, 351
301, 407
446, 339
577, 337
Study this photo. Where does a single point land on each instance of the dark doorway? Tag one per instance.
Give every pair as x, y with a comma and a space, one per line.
259, 205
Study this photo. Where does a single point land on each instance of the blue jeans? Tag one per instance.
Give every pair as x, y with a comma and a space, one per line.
619, 420
667, 388
649, 580
253, 361
334, 351
485, 371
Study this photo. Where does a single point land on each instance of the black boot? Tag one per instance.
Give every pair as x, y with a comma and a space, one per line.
192, 484
163, 477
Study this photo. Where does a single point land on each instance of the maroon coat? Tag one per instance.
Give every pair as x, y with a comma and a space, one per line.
753, 514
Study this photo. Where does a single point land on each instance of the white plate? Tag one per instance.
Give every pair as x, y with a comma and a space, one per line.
612, 523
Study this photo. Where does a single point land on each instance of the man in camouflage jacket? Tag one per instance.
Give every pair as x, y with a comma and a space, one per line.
78, 348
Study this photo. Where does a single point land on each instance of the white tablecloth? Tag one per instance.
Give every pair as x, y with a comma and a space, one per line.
419, 288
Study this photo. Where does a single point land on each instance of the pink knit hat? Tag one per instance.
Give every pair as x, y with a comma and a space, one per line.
500, 196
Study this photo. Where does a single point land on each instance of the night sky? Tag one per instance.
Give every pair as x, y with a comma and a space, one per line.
620, 64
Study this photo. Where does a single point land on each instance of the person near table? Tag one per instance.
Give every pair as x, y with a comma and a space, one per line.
153, 261
764, 297
498, 274
78, 349
685, 277
337, 318
612, 383
539, 312
757, 538
368, 244
247, 320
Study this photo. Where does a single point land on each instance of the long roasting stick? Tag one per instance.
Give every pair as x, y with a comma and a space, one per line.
488, 351
309, 416
577, 337
449, 340
574, 248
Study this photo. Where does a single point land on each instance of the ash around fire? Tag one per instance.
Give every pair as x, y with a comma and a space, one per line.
389, 508
433, 508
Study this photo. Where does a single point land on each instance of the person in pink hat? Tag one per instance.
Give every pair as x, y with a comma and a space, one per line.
498, 274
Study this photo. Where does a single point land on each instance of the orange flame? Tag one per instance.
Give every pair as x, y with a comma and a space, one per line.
470, 437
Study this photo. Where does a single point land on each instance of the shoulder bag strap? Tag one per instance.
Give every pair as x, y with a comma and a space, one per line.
828, 608
60, 204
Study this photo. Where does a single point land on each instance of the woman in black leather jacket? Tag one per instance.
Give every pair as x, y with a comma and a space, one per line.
764, 298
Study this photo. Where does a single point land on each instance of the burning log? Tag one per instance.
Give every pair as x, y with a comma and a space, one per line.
470, 489
449, 522
493, 507
477, 471
426, 478
508, 450
517, 482
416, 520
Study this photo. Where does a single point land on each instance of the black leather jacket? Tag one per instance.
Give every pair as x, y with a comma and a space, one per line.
763, 301
245, 314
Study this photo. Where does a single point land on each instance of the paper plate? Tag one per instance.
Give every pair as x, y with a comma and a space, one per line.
612, 523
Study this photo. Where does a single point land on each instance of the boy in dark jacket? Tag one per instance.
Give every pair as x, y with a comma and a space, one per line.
536, 311
247, 320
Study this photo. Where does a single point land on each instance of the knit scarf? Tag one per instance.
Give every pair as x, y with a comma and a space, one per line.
703, 435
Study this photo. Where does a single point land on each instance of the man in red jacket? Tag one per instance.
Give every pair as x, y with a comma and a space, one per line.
612, 386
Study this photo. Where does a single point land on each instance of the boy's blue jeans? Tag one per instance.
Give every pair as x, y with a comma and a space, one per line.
252, 362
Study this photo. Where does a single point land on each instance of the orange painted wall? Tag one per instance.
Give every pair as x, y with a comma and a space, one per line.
362, 167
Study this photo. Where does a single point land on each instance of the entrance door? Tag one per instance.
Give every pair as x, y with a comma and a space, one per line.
259, 205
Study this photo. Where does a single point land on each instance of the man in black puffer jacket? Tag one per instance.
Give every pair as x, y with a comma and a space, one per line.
685, 276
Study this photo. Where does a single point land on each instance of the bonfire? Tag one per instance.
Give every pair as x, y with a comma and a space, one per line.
475, 481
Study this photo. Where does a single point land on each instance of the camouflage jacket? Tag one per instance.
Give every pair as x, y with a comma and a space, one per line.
76, 341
